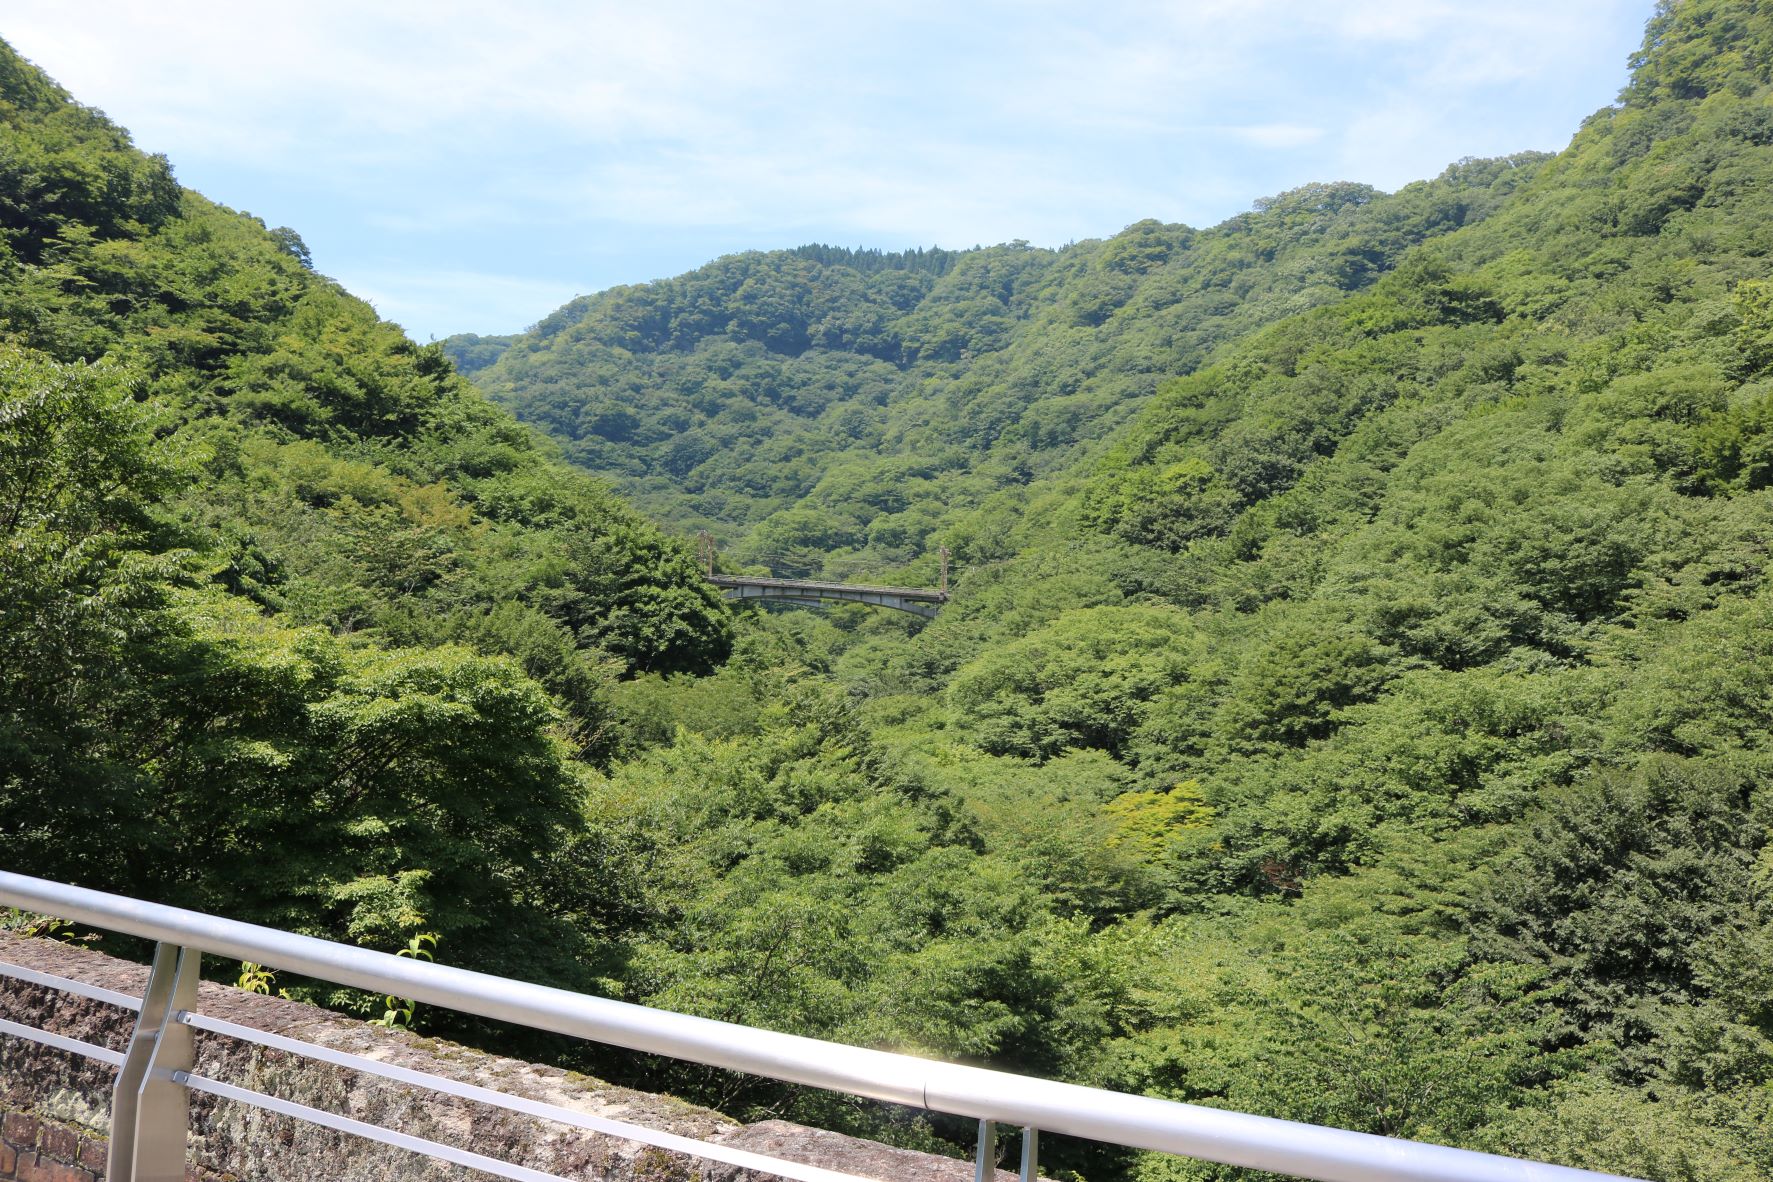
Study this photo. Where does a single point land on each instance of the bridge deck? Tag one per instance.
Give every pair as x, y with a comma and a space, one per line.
809, 587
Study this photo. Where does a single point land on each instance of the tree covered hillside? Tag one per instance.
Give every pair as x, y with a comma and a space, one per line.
293, 624
1360, 671
1354, 705
823, 404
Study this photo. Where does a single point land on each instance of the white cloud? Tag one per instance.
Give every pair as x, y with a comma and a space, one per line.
507, 303
570, 128
201, 72
1392, 20
382, 72
1277, 135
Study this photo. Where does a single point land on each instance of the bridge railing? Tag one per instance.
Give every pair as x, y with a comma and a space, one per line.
155, 1077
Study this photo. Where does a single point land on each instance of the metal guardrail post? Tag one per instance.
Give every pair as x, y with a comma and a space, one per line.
163, 1103
985, 1162
1030, 1154
120, 1163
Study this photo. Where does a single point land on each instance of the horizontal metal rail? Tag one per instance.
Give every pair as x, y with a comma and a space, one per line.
1141, 1122
110, 997
61, 1042
361, 1128
554, 1112
641, 1134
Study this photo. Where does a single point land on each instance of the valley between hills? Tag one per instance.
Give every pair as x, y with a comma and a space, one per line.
1354, 703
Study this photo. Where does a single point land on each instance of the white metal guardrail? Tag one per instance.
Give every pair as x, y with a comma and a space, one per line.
149, 1115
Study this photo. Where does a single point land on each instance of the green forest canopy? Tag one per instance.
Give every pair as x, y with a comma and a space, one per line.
1354, 705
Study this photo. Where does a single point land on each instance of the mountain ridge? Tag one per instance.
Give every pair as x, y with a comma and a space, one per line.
1352, 705
1372, 608
825, 332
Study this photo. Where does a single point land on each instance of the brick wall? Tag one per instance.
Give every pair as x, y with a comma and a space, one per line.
37, 1150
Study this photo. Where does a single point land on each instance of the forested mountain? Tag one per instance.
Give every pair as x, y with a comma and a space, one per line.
1355, 704
824, 403
295, 625
1362, 641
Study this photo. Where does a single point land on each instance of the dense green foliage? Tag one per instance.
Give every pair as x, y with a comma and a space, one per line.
295, 625
1359, 657
1354, 706
820, 404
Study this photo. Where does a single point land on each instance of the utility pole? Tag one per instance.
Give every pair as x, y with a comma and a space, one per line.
943, 553
705, 552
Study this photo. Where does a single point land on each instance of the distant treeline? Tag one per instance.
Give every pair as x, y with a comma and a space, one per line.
933, 261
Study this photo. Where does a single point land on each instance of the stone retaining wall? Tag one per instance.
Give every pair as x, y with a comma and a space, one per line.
55, 1107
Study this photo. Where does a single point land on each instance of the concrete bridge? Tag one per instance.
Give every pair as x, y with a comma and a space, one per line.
919, 601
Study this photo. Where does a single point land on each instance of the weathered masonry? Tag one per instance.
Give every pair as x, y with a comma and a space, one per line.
55, 1107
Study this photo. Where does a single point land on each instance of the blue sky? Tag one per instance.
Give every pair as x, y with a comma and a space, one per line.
468, 169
